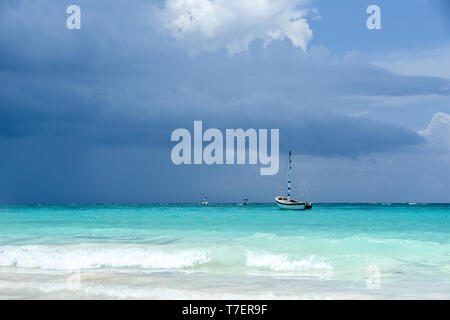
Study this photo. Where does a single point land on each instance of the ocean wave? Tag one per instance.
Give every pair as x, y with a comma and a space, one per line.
72, 258
226, 259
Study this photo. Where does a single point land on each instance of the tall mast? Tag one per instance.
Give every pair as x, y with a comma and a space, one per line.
289, 176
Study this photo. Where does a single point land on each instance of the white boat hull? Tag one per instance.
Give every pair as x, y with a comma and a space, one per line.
292, 204
290, 207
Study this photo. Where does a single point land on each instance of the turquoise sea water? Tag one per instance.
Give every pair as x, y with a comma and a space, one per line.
225, 251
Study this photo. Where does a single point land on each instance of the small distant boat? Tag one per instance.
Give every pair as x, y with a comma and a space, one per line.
287, 203
204, 201
412, 203
244, 202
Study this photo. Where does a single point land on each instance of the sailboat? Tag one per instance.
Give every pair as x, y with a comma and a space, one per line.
244, 202
287, 202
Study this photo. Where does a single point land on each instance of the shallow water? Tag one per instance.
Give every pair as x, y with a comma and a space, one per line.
225, 251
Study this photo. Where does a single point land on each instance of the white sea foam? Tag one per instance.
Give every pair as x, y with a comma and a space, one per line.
72, 258
60, 290
281, 262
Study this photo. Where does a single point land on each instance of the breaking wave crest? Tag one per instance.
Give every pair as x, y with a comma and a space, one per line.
93, 257
69, 258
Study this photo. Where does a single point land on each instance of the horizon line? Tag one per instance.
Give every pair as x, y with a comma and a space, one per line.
209, 204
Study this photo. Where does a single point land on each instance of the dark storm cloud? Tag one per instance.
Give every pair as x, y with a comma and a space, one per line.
144, 107
445, 7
